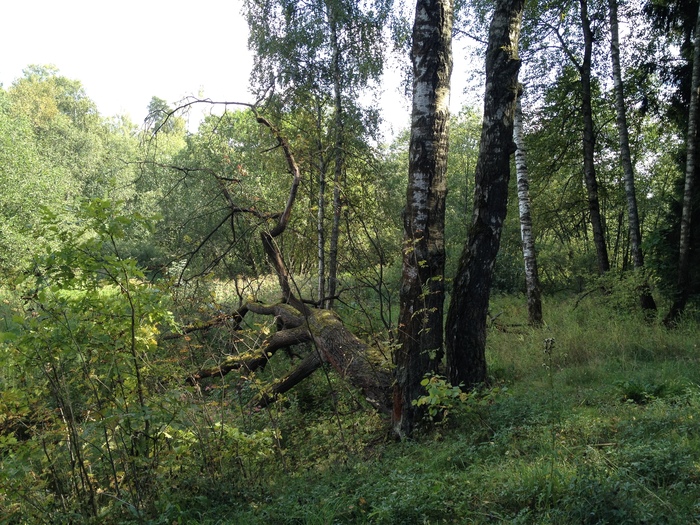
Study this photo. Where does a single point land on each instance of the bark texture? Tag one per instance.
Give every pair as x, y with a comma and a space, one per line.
320, 221
683, 281
332, 343
589, 173
420, 331
466, 317
646, 299
339, 162
532, 278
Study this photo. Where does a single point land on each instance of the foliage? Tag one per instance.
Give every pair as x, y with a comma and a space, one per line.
442, 398
98, 425
56, 150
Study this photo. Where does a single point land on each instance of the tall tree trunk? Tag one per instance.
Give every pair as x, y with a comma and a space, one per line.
683, 281
335, 235
466, 317
338, 173
646, 299
420, 331
320, 221
589, 174
532, 278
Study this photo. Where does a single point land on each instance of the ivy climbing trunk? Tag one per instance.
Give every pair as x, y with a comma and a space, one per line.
466, 318
532, 278
420, 332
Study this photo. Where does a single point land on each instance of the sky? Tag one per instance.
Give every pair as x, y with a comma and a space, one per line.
125, 52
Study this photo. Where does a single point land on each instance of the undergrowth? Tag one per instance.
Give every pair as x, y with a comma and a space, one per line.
591, 419
604, 429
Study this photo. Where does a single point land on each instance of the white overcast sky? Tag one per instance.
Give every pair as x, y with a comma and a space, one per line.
124, 52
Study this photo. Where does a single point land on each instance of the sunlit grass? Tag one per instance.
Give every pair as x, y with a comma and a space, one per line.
604, 429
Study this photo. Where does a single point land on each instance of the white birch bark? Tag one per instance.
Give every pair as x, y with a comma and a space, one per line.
420, 331
532, 279
646, 299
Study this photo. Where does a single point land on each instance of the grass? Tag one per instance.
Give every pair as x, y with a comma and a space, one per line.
607, 430
604, 429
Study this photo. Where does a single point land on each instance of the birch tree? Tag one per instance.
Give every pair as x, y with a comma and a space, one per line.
466, 318
683, 281
420, 332
589, 171
532, 279
646, 299
321, 56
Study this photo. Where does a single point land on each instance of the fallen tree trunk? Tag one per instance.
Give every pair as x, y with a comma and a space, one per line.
333, 344
298, 323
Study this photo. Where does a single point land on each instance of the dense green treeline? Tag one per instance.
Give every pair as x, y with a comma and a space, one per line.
130, 256
67, 152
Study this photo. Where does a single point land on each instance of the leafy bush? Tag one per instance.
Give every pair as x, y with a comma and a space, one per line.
641, 392
442, 398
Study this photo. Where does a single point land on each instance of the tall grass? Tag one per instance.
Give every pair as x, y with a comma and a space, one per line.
603, 429
568, 444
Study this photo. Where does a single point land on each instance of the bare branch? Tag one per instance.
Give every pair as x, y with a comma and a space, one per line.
564, 46
236, 317
462, 32
277, 341
293, 169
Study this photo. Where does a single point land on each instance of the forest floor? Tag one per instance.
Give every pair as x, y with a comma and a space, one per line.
592, 419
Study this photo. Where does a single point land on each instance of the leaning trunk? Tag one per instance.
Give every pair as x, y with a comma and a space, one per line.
420, 333
298, 323
683, 281
466, 317
589, 145
646, 299
532, 279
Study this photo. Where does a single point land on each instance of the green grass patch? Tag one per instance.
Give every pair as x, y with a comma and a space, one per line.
601, 428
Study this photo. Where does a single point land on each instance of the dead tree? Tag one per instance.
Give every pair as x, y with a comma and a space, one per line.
299, 322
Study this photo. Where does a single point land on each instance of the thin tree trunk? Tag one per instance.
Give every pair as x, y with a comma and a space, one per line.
466, 317
589, 174
646, 299
337, 178
683, 281
320, 224
532, 279
420, 330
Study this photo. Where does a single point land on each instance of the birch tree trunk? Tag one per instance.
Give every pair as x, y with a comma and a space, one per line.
646, 299
466, 317
589, 174
532, 279
420, 332
683, 281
